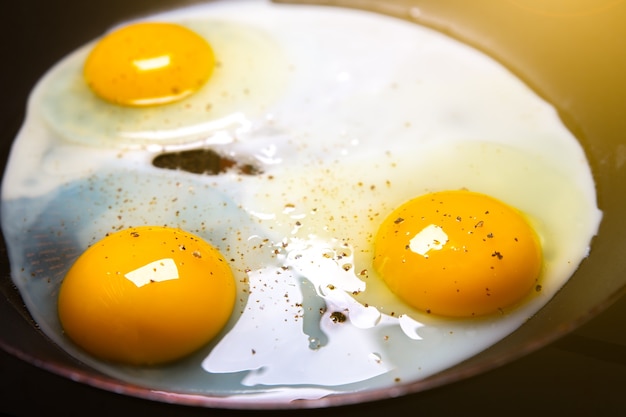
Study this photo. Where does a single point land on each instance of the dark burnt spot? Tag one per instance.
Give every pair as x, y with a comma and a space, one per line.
202, 161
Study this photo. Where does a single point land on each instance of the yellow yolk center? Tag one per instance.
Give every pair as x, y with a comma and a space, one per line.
147, 64
146, 295
458, 254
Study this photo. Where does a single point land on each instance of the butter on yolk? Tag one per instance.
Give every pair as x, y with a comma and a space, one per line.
458, 254
146, 295
147, 64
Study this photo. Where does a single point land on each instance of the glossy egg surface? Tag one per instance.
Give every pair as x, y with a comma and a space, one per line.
314, 127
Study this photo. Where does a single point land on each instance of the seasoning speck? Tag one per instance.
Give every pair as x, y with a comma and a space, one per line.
338, 317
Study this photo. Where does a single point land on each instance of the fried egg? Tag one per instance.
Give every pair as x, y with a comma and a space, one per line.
146, 295
345, 118
237, 72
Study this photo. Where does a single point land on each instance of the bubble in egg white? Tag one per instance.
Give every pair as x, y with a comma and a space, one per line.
373, 112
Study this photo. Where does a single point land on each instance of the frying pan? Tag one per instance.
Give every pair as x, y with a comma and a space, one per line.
570, 53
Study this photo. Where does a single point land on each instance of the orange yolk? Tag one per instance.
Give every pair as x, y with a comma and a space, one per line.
146, 295
458, 254
146, 64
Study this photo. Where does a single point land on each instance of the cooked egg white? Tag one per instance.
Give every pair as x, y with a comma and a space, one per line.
249, 73
353, 114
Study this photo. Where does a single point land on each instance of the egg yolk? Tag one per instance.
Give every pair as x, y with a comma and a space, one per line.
147, 64
458, 254
146, 295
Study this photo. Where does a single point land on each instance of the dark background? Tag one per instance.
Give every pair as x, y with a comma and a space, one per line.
583, 374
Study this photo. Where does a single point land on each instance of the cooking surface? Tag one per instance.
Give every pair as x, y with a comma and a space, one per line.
583, 374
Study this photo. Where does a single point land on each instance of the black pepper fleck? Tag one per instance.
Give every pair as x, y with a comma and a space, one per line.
338, 317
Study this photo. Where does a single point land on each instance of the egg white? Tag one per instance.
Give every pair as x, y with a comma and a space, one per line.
359, 114
250, 72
